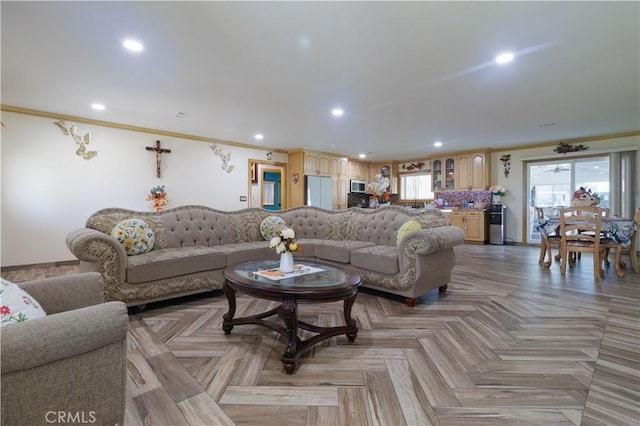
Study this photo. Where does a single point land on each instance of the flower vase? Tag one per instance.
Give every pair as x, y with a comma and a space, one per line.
497, 199
286, 262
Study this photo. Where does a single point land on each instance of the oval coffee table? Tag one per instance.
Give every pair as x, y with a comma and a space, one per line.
331, 284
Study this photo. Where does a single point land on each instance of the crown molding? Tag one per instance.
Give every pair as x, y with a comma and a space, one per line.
128, 127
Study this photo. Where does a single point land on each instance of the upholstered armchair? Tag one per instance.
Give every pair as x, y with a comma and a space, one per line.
69, 366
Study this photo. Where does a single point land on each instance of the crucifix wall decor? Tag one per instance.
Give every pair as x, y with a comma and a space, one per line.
158, 152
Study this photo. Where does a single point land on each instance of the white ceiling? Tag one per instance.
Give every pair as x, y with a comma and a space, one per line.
406, 73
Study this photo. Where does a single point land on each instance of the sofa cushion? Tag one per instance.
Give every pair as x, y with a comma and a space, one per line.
271, 226
17, 305
135, 236
105, 220
244, 252
338, 251
173, 262
383, 259
406, 228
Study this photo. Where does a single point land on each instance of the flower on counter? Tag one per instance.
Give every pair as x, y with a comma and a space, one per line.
498, 190
158, 198
285, 242
379, 188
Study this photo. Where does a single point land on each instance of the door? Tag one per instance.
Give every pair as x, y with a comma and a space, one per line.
551, 186
271, 190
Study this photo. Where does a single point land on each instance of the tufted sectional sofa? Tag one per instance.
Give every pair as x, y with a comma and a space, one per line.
193, 244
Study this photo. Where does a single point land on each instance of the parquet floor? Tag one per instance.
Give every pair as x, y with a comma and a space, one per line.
511, 343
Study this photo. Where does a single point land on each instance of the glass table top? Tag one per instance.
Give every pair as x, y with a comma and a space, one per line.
329, 276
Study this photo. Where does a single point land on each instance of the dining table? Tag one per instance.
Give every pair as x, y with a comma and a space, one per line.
620, 229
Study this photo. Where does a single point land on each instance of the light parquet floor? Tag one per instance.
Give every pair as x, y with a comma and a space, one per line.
510, 343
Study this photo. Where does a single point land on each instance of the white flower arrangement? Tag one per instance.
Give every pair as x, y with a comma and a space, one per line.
498, 190
379, 187
285, 242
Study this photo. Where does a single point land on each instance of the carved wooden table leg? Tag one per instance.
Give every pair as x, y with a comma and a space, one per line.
352, 330
231, 298
289, 315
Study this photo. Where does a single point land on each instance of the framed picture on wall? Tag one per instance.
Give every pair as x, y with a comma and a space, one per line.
254, 172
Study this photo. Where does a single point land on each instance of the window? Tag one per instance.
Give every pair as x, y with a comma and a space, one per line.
551, 185
416, 187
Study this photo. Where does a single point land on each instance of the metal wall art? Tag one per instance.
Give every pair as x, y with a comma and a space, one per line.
224, 157
82, 141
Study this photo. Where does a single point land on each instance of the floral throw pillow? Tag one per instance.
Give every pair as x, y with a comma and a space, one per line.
135, 236
408, 226
271, 226
16, 305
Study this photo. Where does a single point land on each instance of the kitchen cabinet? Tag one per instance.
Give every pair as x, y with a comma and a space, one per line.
338, 166
471, 171
358, 170
443, 172
340, 188
472, 222
316, 163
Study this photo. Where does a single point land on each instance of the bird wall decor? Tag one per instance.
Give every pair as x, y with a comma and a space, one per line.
224, 157
81, 141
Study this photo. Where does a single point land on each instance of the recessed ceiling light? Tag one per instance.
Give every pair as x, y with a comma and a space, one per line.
133, 45
337, 112
437, 144
97, 107
259, 136
504, 58
362, 155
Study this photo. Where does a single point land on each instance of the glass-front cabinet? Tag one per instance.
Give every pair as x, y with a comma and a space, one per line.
436, 173
443, 171
449, 174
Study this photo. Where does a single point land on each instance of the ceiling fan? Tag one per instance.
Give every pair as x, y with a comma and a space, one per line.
558, 169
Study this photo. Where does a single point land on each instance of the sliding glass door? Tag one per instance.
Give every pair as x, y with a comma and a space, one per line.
551, 186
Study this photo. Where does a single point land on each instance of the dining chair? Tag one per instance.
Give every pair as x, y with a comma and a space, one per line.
631, 249
580, 232
605, 257
547, 241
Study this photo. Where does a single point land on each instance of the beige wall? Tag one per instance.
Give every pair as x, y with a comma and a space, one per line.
47, 190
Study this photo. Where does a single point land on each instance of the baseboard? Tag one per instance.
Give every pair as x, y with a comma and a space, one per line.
39, 265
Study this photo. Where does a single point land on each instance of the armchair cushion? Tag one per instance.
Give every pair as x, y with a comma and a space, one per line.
16, 305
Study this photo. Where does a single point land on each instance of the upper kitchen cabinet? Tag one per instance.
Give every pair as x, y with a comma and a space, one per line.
358, 170
339, 166
443, 171
471, 171
317, 163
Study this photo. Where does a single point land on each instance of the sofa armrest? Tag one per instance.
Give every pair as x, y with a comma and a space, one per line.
428, 241
41, 341
105, 254
66, 293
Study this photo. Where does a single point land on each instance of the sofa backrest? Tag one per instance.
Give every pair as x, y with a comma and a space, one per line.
381, 226
315, 223
189, 226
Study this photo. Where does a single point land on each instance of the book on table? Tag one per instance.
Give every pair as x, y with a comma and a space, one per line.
298, 270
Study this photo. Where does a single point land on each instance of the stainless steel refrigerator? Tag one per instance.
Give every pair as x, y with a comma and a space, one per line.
318, 192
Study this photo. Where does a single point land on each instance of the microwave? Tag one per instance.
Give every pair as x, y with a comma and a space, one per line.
358, 186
